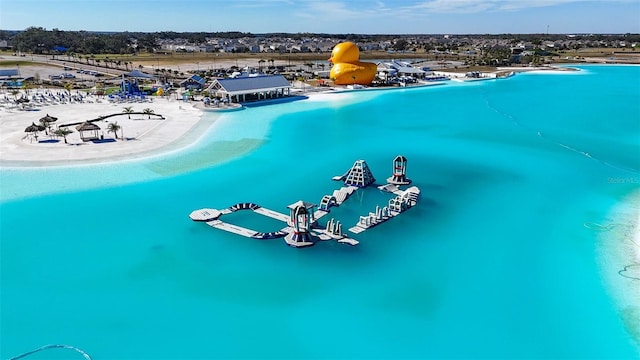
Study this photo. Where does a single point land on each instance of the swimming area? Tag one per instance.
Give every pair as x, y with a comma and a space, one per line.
494, 261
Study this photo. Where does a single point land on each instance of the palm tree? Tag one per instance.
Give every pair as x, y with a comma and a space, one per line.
114, 127
128, 110
68, 86
99, 88
148, 111
63, 131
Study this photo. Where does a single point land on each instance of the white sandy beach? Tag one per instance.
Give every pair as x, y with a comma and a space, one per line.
143, 135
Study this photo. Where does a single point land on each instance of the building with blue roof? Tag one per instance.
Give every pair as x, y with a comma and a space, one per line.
194, 82
10, 78
9, 73
258, 87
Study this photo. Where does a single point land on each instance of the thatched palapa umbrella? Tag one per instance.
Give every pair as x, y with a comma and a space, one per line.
47, 120
33, 128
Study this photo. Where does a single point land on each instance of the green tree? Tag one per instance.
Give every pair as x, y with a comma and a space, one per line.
128, 110
68, 86
114, 127
400, 45
100, 88
148, 111
26, 87
63, 131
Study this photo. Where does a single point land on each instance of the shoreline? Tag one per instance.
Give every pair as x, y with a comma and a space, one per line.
184, 125
618, 254
144, 136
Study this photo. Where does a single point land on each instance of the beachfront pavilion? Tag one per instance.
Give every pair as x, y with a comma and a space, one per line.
262, 87
88, 127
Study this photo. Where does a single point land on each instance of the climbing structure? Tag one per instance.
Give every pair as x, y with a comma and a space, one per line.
300, 220
359, 175
399, 176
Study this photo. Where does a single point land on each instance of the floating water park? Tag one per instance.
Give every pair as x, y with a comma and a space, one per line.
302, 225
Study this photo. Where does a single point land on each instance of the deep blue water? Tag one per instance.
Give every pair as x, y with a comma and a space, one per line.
495, 260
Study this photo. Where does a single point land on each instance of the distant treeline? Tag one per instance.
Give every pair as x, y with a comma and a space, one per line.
40, 40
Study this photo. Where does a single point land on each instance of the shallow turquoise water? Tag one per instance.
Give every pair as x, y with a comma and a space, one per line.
493, 262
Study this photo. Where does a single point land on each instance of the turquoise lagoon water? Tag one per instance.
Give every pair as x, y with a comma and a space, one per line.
495, 260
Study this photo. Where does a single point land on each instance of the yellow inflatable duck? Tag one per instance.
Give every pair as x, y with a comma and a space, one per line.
347, 68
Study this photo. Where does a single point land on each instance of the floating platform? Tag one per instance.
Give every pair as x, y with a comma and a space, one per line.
301, 225
289, 239
210, 217
404, 200
205, 215
272, 214
239, 230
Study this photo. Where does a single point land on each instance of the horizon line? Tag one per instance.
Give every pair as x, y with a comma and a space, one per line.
320, 33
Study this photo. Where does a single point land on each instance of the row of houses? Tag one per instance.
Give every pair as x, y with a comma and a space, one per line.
435, 43
251, 45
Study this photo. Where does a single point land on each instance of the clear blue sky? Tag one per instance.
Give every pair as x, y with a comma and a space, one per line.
327, 16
